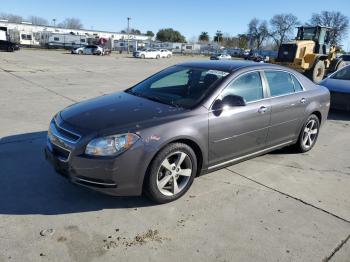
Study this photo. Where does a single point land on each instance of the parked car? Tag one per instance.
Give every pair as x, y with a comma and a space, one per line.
221, 56
186, 120
165, 53
147, 53
88, 50
8, 46
338, 84
257, 57
346, 59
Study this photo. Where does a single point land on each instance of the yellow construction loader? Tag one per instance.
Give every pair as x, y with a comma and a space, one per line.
311, 53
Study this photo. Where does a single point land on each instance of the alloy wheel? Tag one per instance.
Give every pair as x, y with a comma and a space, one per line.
310, 133
174, 173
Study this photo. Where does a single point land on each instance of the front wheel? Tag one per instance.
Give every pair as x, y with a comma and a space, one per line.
171, 173
308, 134
317, 73
158, 56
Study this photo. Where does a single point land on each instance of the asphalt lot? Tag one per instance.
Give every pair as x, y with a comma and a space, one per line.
278, 207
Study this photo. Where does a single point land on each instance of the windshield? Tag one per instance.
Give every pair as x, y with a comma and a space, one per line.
178, 86
343, 74
307, 34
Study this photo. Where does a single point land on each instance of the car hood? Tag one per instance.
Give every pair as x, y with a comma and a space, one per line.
336, 85
117, 112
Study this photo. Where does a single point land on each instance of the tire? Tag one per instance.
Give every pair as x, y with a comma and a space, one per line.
159, 181
310, 130
80, 52
317, 73
158, 56
10, 49
143, 57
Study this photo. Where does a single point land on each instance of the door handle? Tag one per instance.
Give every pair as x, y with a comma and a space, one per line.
262, 109
303, 100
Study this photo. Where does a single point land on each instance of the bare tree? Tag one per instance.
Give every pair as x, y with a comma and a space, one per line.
258, 32
282, 27
336, 20
36, 20
71, 23
11, 17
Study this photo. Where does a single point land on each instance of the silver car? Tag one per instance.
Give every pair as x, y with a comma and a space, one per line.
186, 120
338, 84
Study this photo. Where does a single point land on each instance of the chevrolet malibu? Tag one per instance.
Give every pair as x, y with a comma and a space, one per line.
186, 120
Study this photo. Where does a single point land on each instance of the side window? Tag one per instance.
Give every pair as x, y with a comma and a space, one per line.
248, 86
280, 83
297, 85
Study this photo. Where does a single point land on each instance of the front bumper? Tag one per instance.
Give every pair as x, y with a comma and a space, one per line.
119, 176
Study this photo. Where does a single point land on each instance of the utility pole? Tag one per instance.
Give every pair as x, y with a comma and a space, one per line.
128, 31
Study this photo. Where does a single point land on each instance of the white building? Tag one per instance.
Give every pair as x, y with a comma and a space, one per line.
29, 34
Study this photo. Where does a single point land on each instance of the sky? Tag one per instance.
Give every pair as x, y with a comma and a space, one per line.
189, 17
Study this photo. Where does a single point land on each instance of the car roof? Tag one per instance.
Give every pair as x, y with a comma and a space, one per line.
229, 66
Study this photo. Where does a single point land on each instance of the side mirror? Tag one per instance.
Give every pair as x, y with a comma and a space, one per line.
230, 101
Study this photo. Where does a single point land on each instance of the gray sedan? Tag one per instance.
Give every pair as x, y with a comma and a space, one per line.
339, 85
186, 120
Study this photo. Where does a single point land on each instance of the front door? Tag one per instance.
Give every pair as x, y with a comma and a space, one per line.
240, 130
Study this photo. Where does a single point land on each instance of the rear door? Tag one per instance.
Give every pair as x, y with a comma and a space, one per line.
240, 130
288, 104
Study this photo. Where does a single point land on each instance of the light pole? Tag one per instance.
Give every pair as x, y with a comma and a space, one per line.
54, 22
128, 32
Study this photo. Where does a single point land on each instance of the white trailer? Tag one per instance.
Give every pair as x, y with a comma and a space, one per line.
67, 40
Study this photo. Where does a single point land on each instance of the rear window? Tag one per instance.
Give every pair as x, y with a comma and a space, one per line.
280, 83
297, 85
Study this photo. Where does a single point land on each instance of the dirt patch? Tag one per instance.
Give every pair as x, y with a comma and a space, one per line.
140, 239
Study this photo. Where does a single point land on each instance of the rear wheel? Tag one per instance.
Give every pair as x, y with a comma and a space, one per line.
308, 134
10, 49
171, 173
143, 57
316, 74
158, 56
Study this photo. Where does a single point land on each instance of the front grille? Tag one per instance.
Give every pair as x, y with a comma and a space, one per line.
66, 134
287, 53
60, 152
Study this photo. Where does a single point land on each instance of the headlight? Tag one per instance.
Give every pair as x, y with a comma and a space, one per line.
111, 145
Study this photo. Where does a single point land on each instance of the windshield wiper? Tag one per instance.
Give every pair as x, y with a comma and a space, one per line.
154, 98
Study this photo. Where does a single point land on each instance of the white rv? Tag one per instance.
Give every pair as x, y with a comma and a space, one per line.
67, 40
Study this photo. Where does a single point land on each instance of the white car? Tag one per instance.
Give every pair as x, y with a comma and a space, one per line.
164, 53
222, 56
88, 50
148, 53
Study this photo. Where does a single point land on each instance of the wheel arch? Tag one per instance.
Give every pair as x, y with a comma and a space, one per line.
318, 114
185, 140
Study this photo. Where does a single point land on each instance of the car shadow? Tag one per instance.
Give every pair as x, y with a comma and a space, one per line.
29, 185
